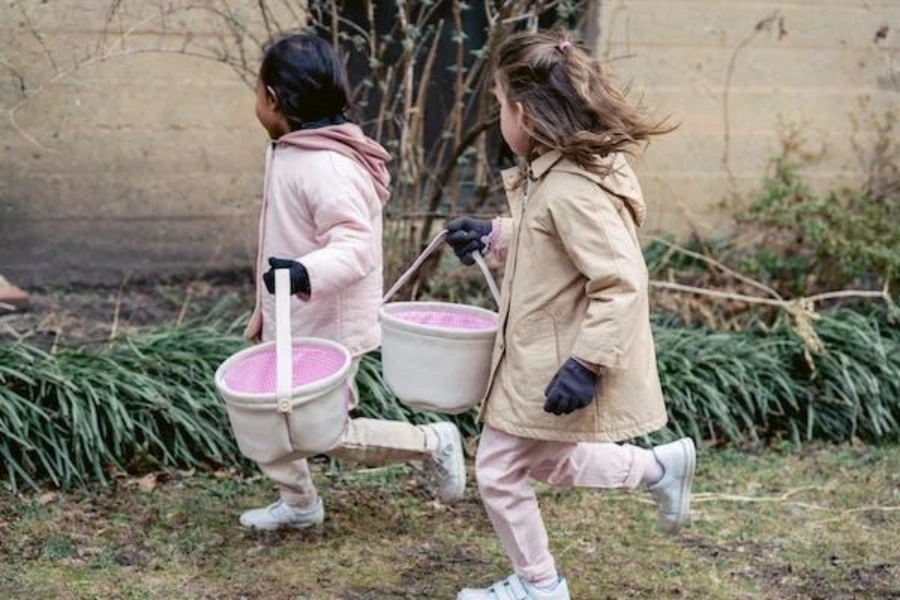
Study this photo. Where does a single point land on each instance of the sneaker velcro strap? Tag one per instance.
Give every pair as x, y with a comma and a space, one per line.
515, 589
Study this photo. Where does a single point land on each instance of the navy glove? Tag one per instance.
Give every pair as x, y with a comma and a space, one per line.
572, 387
299, 276
466, 235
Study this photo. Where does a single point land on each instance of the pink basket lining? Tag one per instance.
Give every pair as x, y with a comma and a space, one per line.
448, 319
256, 374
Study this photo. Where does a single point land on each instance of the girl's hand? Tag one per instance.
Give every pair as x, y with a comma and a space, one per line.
467, 235
299, 276
572, 387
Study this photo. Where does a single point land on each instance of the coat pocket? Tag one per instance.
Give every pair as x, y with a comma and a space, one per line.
534, 354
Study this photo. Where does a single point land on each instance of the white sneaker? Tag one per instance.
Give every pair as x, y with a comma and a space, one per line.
673, 492
513, 588
448, 462
281, 514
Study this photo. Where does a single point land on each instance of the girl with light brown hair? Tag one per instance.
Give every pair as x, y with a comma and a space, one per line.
574, 365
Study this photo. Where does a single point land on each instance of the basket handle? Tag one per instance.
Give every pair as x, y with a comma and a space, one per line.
283, 355
434, 245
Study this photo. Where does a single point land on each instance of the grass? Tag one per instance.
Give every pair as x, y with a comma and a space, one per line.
823, 523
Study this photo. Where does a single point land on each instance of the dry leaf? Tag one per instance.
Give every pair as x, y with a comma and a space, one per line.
147, 483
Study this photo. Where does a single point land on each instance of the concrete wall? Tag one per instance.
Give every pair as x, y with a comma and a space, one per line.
148, 161
151, 162
740, 77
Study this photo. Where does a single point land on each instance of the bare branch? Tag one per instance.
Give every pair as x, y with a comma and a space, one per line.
714, 263
37, 35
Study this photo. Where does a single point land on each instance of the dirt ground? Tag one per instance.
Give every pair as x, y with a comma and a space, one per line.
823, 524
78, 315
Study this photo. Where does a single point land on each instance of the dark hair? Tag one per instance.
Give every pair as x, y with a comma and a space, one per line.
308, 79
570, 101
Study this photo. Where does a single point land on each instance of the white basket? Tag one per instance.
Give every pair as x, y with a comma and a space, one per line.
297, 421
441, 364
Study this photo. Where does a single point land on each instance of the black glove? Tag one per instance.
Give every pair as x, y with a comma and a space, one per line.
572, 387
466, 235
299, 276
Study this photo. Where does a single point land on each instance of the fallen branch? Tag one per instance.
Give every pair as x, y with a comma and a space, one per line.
118, 306
785, 304
689, 289
803, 310
861, 509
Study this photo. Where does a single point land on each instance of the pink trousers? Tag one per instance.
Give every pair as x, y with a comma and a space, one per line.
505, 463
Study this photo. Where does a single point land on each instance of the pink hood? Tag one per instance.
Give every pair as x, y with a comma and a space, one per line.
349, 140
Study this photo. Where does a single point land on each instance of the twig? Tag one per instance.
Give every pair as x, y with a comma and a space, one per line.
37, 35
264, 11
712, 497
689, 289
115, 324
521, 17
11, 113
184, 305
57, 333
700, 498
300, 13
874, 508
15, 73
457, 114
383, 105
335, 24
15, 334
466, 141
758, 500
785, 304
713, 262
417, 125
846, 294
8, 307
763, 24
409, 56
788, 494
861, 509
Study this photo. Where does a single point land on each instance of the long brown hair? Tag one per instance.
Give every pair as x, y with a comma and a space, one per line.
570, 100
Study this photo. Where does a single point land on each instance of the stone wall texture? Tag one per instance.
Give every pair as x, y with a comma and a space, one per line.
120, 154
743, 77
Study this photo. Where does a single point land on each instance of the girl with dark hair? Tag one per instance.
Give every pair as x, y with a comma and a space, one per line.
325, 187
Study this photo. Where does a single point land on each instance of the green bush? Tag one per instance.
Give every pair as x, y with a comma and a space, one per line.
812, 242
148, 400
79, 415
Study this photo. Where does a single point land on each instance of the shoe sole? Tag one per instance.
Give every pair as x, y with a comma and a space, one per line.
295, 526
687, 446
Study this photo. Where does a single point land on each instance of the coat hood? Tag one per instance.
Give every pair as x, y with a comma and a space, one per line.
621, 181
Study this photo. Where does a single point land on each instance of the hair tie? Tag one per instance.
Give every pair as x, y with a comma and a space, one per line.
563, 45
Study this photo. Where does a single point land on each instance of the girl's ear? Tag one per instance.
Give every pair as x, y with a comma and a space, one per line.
271, 96
521, 118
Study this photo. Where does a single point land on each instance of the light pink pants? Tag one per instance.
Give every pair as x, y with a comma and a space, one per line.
503, 466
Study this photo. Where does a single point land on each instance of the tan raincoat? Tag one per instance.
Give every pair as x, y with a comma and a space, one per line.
575, 285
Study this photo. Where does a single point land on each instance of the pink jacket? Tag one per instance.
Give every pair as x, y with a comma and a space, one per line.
322, 202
